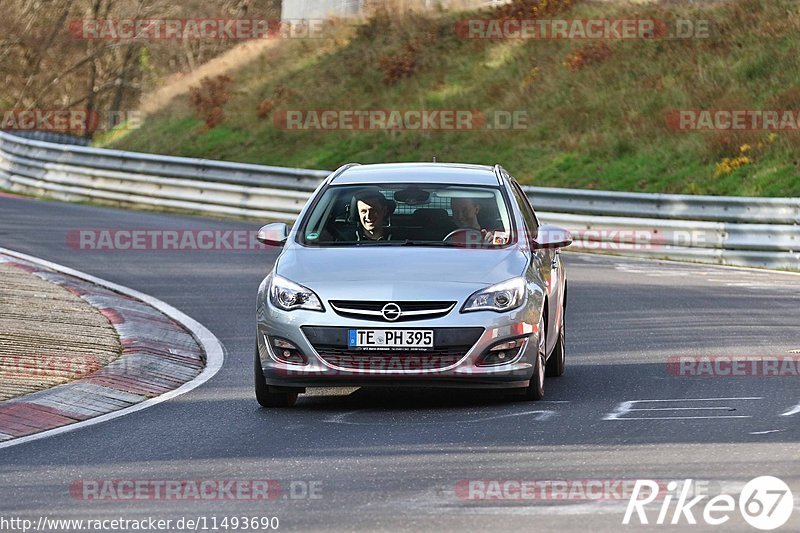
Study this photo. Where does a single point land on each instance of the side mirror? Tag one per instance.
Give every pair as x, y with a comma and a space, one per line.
551, 237
273, 234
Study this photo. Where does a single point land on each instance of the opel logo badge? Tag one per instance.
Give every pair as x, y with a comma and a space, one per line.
391, 311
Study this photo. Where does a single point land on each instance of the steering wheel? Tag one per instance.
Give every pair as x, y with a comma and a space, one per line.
464, 235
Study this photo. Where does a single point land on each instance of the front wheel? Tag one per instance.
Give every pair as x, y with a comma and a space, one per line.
535, 390
264, 396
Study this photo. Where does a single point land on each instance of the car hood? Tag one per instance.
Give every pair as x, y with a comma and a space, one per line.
404, 265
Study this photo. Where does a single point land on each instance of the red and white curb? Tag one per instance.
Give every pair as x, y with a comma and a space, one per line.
163, 356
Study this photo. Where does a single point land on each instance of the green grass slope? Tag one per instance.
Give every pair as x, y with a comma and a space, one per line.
596, 110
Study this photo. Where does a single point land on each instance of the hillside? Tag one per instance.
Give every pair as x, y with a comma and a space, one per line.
83, 56
597, 111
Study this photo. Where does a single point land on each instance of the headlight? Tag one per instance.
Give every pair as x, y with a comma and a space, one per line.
288, 295
502, 297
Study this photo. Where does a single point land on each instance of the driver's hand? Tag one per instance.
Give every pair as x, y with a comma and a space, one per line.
498, 237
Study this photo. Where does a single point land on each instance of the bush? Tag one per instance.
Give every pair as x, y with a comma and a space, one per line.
399, 66
208, 99
280, 95
526, 9
590, 54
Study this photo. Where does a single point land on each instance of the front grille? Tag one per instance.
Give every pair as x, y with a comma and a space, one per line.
410, 310
450, 345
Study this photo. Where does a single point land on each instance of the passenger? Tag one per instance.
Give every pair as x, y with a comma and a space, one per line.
465, 216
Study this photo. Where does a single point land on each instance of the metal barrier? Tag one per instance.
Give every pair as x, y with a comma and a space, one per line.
52, 137
670, 206
726, 230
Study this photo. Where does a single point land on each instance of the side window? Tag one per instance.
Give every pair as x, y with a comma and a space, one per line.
525, 206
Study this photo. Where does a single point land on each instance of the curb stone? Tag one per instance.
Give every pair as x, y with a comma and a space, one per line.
158, 355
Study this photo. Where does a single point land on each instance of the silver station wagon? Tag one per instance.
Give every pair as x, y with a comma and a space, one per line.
412, 274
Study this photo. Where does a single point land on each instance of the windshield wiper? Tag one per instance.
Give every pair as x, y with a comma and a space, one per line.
409, 242
406, 242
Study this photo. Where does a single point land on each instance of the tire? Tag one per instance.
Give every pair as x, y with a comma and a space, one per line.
264, 396
535, 390
558, 359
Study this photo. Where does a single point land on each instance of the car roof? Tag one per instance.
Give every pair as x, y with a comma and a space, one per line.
447, 173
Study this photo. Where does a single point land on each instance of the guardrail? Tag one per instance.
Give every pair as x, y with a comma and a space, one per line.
727, 230
52, 137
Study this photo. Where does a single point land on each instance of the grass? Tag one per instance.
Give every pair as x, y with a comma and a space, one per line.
600, 126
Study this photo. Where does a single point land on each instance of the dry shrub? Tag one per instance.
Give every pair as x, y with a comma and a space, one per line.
280, 95
588, 54
400, 40
526, 9
727, 143
372, 7
653, 82
265, 108
788, 99
396, 67
209, 97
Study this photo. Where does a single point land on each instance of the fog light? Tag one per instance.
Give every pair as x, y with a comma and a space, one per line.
286, 352
502, 353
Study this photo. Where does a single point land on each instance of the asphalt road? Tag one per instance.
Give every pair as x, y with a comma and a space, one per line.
394, 459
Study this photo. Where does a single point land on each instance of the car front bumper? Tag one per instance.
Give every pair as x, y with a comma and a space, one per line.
402, 368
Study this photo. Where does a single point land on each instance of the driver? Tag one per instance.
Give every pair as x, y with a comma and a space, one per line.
373, 213
465, 213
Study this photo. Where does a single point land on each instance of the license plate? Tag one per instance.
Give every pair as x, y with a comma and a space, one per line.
390, 338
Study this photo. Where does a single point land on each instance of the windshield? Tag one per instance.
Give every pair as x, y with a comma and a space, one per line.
408, 215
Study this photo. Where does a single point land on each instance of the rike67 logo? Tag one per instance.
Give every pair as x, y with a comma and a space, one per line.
766, 503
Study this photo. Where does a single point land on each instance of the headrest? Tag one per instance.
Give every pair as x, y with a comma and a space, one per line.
425, 215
